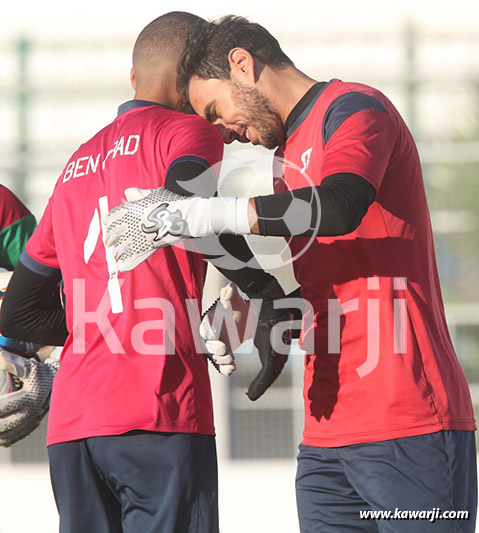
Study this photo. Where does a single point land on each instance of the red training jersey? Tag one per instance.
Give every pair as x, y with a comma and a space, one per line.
380, 363
130, 361
16, 226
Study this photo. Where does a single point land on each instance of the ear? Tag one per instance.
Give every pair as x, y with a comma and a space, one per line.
132, 78
242, 66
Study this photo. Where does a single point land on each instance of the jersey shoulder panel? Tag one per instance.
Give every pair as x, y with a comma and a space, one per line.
345, 106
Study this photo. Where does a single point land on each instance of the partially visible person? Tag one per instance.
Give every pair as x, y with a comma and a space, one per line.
17, 224
389, 422
16, 227
131, 438
27, 382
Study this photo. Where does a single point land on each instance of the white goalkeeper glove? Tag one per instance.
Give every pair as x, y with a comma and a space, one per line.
224, 327
22, 411
155, 218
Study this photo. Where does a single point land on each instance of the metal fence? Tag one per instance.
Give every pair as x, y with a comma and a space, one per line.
54, 95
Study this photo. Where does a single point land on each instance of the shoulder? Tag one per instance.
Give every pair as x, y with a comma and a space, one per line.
193, 135
196, 125
7, 198
11, 208
343, 100
164, 120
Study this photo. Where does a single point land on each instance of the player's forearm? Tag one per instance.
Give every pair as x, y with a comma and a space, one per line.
244, 271
336, 207
31, 309
156, 218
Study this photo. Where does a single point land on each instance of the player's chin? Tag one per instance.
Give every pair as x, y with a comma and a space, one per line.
271, 143
272, 139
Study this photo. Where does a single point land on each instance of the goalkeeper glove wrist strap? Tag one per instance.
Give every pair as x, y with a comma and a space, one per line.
229, 215
207, 216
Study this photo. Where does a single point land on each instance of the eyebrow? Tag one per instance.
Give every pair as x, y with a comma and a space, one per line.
208, 110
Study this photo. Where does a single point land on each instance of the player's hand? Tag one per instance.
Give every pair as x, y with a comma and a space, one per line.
156, 218
149, 220
224, 327
22, 411
272, 338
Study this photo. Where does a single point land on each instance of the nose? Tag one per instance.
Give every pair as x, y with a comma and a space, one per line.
228, 134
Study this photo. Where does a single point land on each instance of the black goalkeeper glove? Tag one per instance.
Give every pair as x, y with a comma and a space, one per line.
272, 338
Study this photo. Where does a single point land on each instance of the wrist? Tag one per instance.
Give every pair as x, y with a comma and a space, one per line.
229, 215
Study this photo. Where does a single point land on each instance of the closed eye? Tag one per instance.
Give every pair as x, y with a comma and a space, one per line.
210, 112
211, 116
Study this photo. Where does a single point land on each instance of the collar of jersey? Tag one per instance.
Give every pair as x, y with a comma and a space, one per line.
302, 109
132, 104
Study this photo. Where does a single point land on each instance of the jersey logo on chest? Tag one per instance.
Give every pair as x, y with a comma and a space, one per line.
305, 158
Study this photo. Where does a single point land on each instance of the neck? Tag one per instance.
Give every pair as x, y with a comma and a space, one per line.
162, 93
284, 87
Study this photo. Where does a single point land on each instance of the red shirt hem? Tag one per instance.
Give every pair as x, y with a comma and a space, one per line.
106, 431
347, 440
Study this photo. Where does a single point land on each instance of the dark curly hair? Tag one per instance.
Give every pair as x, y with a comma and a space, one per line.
207, 48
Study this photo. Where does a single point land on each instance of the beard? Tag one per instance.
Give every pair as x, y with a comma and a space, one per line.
260, 114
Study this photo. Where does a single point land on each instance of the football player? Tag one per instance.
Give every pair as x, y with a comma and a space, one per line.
388, 416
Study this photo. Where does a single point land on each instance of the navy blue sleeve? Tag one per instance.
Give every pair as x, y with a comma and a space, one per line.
344, 107
39, 268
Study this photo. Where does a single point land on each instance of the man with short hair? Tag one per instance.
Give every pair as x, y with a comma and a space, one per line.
131, 438
388, 416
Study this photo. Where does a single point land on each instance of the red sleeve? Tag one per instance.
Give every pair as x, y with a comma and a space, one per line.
41, 246
11, 209
361, 145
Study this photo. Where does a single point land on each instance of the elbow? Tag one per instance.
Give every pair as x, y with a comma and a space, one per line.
347, 223
6, 328
5, 321
8, 319
350, 220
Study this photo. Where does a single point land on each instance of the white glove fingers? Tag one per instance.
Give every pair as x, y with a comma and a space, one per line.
240, 309
125, 264
132, 194
119, 251
206, 329
115, 214
226, 293
222, 360
114, 236
227, 370
149, 220
216, 348
13, 363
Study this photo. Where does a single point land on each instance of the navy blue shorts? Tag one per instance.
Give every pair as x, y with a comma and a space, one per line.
137, 482
371, 487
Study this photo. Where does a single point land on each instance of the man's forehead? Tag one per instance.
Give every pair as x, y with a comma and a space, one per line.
202, 87
202, 93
